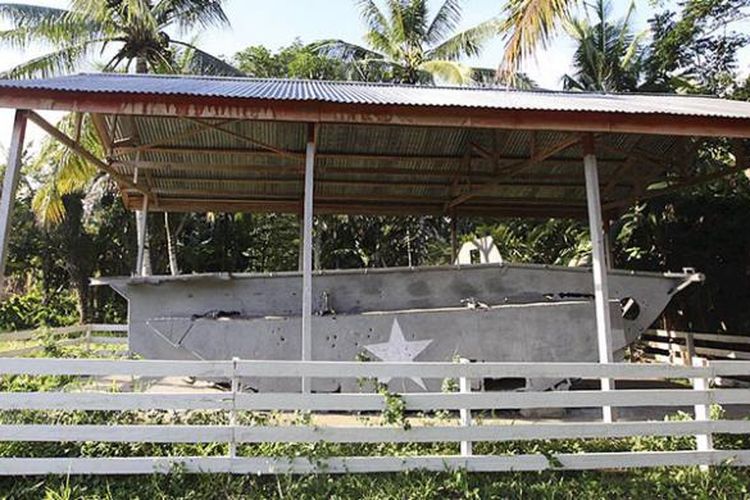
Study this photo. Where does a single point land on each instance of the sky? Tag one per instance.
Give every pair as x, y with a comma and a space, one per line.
279, 23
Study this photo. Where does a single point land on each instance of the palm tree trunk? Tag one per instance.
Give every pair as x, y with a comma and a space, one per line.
142, 67
171, 248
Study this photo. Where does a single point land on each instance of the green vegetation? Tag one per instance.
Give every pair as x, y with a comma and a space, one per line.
674, 483
70, 225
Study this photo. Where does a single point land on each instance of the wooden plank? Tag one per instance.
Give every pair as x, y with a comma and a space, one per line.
360, 434
295, 369
711, 337
473, 370
599, 264
117, 433
703, 351
496, 400
33, 334
36, 348
99, 327
515, 169
327, 112
109, 340
113, 401
728, 368
85, 154
369, 402
20, 352
10, 185
105, 367
307, 251
350, 465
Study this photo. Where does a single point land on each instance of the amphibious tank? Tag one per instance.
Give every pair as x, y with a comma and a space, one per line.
489, 312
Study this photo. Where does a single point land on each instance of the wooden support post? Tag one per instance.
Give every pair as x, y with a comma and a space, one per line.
703, 442
464, 386
454, 240
10, 183
608, 243
307, 257
141, 217
598, 258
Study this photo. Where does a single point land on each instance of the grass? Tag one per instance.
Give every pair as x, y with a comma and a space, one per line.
677, 483
642, 484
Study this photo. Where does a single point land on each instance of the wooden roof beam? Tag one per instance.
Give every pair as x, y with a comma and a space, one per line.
332, 206
85, 154
516, 168
327, 112
254, 142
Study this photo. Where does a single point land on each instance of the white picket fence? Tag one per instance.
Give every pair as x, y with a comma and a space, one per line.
66, 335
700, 396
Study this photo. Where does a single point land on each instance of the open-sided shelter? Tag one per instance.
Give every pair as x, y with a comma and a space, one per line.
201, 144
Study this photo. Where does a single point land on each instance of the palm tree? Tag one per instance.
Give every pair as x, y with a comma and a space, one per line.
405, 45
134, 31
608, 56
527, 24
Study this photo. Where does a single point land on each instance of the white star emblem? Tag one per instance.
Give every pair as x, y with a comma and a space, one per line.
399, 349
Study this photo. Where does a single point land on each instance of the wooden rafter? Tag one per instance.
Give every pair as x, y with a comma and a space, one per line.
202, 127
85, 154
655, 193
254, 142
516, 169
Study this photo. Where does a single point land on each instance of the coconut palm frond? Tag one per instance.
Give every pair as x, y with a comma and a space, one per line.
32, 24
529, 23
24, 15
187, 14
372, 15
342, 50
608, 55
65, 60
62, 171
449, 71
196, 61
468, 43
446, 20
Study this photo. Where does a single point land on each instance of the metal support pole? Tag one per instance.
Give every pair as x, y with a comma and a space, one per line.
141, 217
10, 183
598, 258
307, 257
301, 264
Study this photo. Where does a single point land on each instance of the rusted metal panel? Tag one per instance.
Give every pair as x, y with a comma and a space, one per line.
387, 94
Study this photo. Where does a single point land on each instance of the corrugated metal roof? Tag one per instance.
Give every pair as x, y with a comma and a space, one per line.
386, 94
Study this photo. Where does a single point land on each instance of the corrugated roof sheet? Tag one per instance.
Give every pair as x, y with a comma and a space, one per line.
386, 94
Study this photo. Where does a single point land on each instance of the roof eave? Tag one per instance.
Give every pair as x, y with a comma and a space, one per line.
413, 115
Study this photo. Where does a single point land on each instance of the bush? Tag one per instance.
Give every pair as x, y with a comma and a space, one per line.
33, 309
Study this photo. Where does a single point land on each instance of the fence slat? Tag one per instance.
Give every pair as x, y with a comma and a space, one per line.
441, 370
710, 337
369, 402
112, 401
493, 400
106, 367
346, 465
359, 434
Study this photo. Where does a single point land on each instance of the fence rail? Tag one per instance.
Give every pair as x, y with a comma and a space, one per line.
682, 347
468, 430
64, 336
